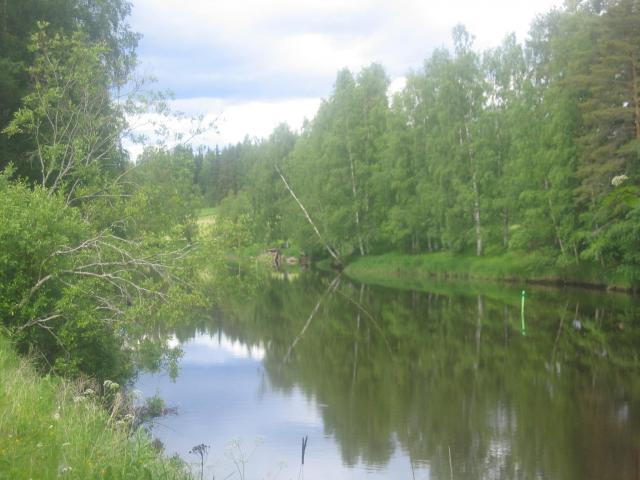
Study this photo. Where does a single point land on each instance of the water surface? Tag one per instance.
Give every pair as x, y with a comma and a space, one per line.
398, 384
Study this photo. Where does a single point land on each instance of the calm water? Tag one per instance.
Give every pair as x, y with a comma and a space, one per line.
401, 385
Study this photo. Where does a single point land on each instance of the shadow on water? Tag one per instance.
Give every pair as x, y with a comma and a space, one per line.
445, 380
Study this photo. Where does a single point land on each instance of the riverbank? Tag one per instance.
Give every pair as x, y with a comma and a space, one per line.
54, 428
395, 270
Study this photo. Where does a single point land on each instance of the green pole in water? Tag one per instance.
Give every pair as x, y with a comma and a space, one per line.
524, 328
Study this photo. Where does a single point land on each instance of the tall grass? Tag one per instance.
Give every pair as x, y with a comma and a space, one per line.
53, 428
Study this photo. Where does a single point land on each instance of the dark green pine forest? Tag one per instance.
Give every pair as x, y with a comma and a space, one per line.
528, 149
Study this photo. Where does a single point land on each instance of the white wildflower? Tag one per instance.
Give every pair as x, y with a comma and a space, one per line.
619, 180
109, 385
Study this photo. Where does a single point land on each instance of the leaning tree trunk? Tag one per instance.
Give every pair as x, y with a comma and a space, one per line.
331, 251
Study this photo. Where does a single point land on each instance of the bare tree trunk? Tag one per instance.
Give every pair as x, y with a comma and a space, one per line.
476, 191
335, 256
553, 219
476, 216
505, 230
416, 243
354, 192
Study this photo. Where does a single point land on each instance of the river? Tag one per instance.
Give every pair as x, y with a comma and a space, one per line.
437, 384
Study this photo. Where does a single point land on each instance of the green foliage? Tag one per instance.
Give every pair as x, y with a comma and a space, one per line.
68, 114
97, 256
96, 250
510, 151
71, 293
228, 259
103, 23
166, 195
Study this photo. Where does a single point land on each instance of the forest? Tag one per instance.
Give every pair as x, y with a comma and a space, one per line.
528, 148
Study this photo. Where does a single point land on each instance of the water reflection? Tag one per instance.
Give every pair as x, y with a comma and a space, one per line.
205, 349
391, 384
225, 399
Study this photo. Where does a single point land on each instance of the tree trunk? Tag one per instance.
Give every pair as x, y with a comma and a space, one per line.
553, 218
505, 230
354, 192
476, 216
476, 191
335, 256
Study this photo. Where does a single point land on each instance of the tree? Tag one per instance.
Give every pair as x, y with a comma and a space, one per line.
69, 116
82, 264
608, 80
102, 21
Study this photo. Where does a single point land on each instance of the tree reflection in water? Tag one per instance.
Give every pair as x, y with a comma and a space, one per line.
446, 377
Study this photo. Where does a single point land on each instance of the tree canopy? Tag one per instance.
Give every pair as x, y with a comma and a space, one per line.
511, 149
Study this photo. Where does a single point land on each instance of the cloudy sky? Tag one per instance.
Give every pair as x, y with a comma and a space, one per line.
252, 64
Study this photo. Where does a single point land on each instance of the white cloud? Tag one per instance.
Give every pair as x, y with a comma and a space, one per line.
259, 118
261, 63
396, 85
284, 35
204, 349
230, 122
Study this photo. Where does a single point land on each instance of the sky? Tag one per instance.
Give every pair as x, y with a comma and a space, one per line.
249, 65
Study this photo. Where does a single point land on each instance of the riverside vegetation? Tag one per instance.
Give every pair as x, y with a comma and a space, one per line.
95, 251
53, 428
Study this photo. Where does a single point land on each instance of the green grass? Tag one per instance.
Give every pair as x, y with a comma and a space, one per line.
207, 212
396, 269
49, 429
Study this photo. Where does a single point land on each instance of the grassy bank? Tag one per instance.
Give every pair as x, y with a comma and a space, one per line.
52, 428
393, 270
